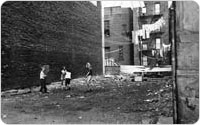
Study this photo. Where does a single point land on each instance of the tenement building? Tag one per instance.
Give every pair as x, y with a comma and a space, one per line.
150, 37
117, 31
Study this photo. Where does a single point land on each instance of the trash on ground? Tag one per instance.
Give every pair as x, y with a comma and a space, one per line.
68, 96
46, 97
81, 97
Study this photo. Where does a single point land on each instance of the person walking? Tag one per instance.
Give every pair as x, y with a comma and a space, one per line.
88, 75
43, 76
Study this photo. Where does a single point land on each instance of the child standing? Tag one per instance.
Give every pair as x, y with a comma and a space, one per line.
63, 73
89, 75
67, 79
43, 75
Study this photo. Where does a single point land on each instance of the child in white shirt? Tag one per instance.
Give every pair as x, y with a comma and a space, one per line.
67, 79
43, 76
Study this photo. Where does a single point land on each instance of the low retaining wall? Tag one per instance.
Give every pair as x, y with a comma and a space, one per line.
132, 68
112, 70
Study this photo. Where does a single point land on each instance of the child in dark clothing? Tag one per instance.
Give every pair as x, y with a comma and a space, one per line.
89, 75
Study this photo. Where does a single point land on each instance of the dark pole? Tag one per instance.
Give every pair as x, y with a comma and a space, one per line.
174, 60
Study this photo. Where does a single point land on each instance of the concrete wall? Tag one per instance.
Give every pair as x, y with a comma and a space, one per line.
112, 70
54, 33
118, 35
135, 27
187, 18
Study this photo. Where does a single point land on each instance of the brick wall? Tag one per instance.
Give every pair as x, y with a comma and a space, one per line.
150, 5
119, 33
54, 33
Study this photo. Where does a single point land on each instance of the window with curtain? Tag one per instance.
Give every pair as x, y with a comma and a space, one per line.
157, 8
144, 10
158, 43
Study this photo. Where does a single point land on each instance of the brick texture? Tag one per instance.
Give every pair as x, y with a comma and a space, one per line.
53, 33
121, 25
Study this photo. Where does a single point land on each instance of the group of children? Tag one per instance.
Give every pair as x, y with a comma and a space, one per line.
65, 77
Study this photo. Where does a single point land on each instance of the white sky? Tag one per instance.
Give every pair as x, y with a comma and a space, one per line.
131, 4
121, 3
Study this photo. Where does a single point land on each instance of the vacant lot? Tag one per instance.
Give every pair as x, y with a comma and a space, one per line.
111, 101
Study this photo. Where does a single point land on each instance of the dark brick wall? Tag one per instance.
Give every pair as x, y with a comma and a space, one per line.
54, 33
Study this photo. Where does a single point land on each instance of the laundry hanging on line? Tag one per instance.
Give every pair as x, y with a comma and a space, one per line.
147, 29
166, 47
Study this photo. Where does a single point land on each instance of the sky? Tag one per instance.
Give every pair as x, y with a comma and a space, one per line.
131, 4
121, 3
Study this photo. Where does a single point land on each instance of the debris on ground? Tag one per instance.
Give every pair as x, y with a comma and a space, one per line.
146, 102
68, 96
81, 97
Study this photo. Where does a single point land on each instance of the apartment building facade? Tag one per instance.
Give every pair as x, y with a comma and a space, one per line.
154, 43
117, 31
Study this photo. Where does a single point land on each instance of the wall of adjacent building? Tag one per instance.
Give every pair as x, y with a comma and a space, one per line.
54, 33
187, 25
119, 36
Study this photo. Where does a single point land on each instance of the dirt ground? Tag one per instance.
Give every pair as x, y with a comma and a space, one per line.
112, 101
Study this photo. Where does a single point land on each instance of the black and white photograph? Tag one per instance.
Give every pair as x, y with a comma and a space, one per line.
99, 62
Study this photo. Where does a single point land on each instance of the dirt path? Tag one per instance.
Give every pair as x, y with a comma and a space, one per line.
109, 102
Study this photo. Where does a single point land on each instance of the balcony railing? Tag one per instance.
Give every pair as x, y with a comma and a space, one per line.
143, 16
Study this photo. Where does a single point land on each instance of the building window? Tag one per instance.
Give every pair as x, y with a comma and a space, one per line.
158, 43
107, 28
144, 47
157, 8
121, 54
144, 10
124, 30
145, 60
107, 52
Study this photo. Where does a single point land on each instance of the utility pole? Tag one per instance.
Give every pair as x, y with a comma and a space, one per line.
101, 9
172, 36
